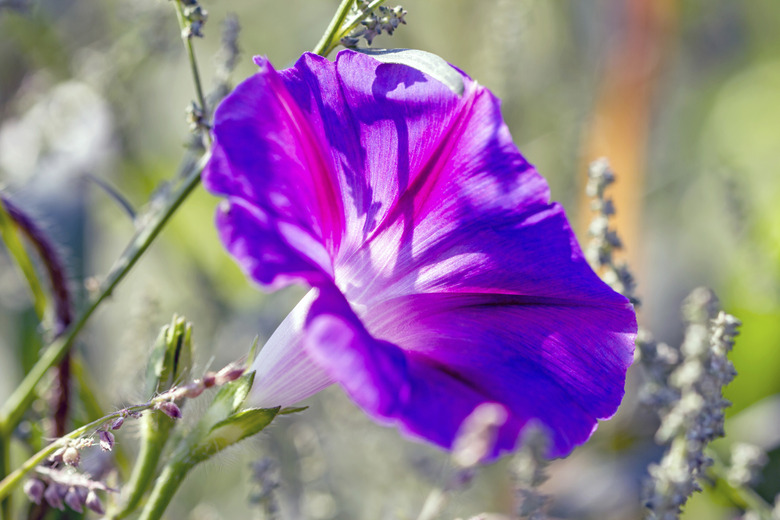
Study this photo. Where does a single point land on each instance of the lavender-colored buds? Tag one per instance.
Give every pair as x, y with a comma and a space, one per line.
169, 408
54, 494
106, 440
118, 423
93, 503
74, 499
229, 373
34, 489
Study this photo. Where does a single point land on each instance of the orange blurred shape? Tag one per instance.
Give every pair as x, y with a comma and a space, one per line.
622, 114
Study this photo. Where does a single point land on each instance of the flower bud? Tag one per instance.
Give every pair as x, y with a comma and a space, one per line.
193, 389
54, 494
170, 409
73, 500
93, 502
229, 373
118, 423
57, 455
106, 440
209, 379
70, 456
34, 489
171, 357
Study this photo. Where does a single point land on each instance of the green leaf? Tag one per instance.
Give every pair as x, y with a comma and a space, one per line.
19, 253
431, 64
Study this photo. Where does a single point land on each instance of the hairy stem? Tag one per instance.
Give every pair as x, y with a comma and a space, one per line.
155, 434
169, 481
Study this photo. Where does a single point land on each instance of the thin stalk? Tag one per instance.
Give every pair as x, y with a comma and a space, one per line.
193, 66
13, 409
5, 467
325, 45
356, 21
155, 434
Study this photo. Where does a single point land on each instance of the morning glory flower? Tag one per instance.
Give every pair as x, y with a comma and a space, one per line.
441, 276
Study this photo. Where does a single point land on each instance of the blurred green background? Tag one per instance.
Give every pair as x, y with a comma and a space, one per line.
682, 97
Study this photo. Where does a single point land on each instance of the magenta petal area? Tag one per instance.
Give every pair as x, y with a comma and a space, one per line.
391, 386
442, 355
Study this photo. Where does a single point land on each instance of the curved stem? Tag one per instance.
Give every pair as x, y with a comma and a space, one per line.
13, 409
22, 260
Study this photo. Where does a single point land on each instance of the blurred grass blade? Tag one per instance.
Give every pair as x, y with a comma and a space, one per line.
15, 247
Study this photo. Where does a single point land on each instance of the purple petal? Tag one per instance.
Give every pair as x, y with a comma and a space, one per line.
557, 361
440, 356
373, 160
272, 252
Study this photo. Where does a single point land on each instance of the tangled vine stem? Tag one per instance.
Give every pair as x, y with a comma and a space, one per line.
13, 409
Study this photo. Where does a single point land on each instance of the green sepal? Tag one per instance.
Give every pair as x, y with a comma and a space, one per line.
234, 429
170, 361
227, 401
292, 409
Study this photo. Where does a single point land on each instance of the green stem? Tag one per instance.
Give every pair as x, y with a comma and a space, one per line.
156, 428
13, 409
326, 43
12, 480
169, 481
92, 408
5, 467
337, 29
193, 65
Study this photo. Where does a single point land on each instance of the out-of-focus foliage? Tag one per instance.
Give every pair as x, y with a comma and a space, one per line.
99, 87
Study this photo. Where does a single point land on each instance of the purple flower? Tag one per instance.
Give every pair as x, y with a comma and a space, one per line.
442, 278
